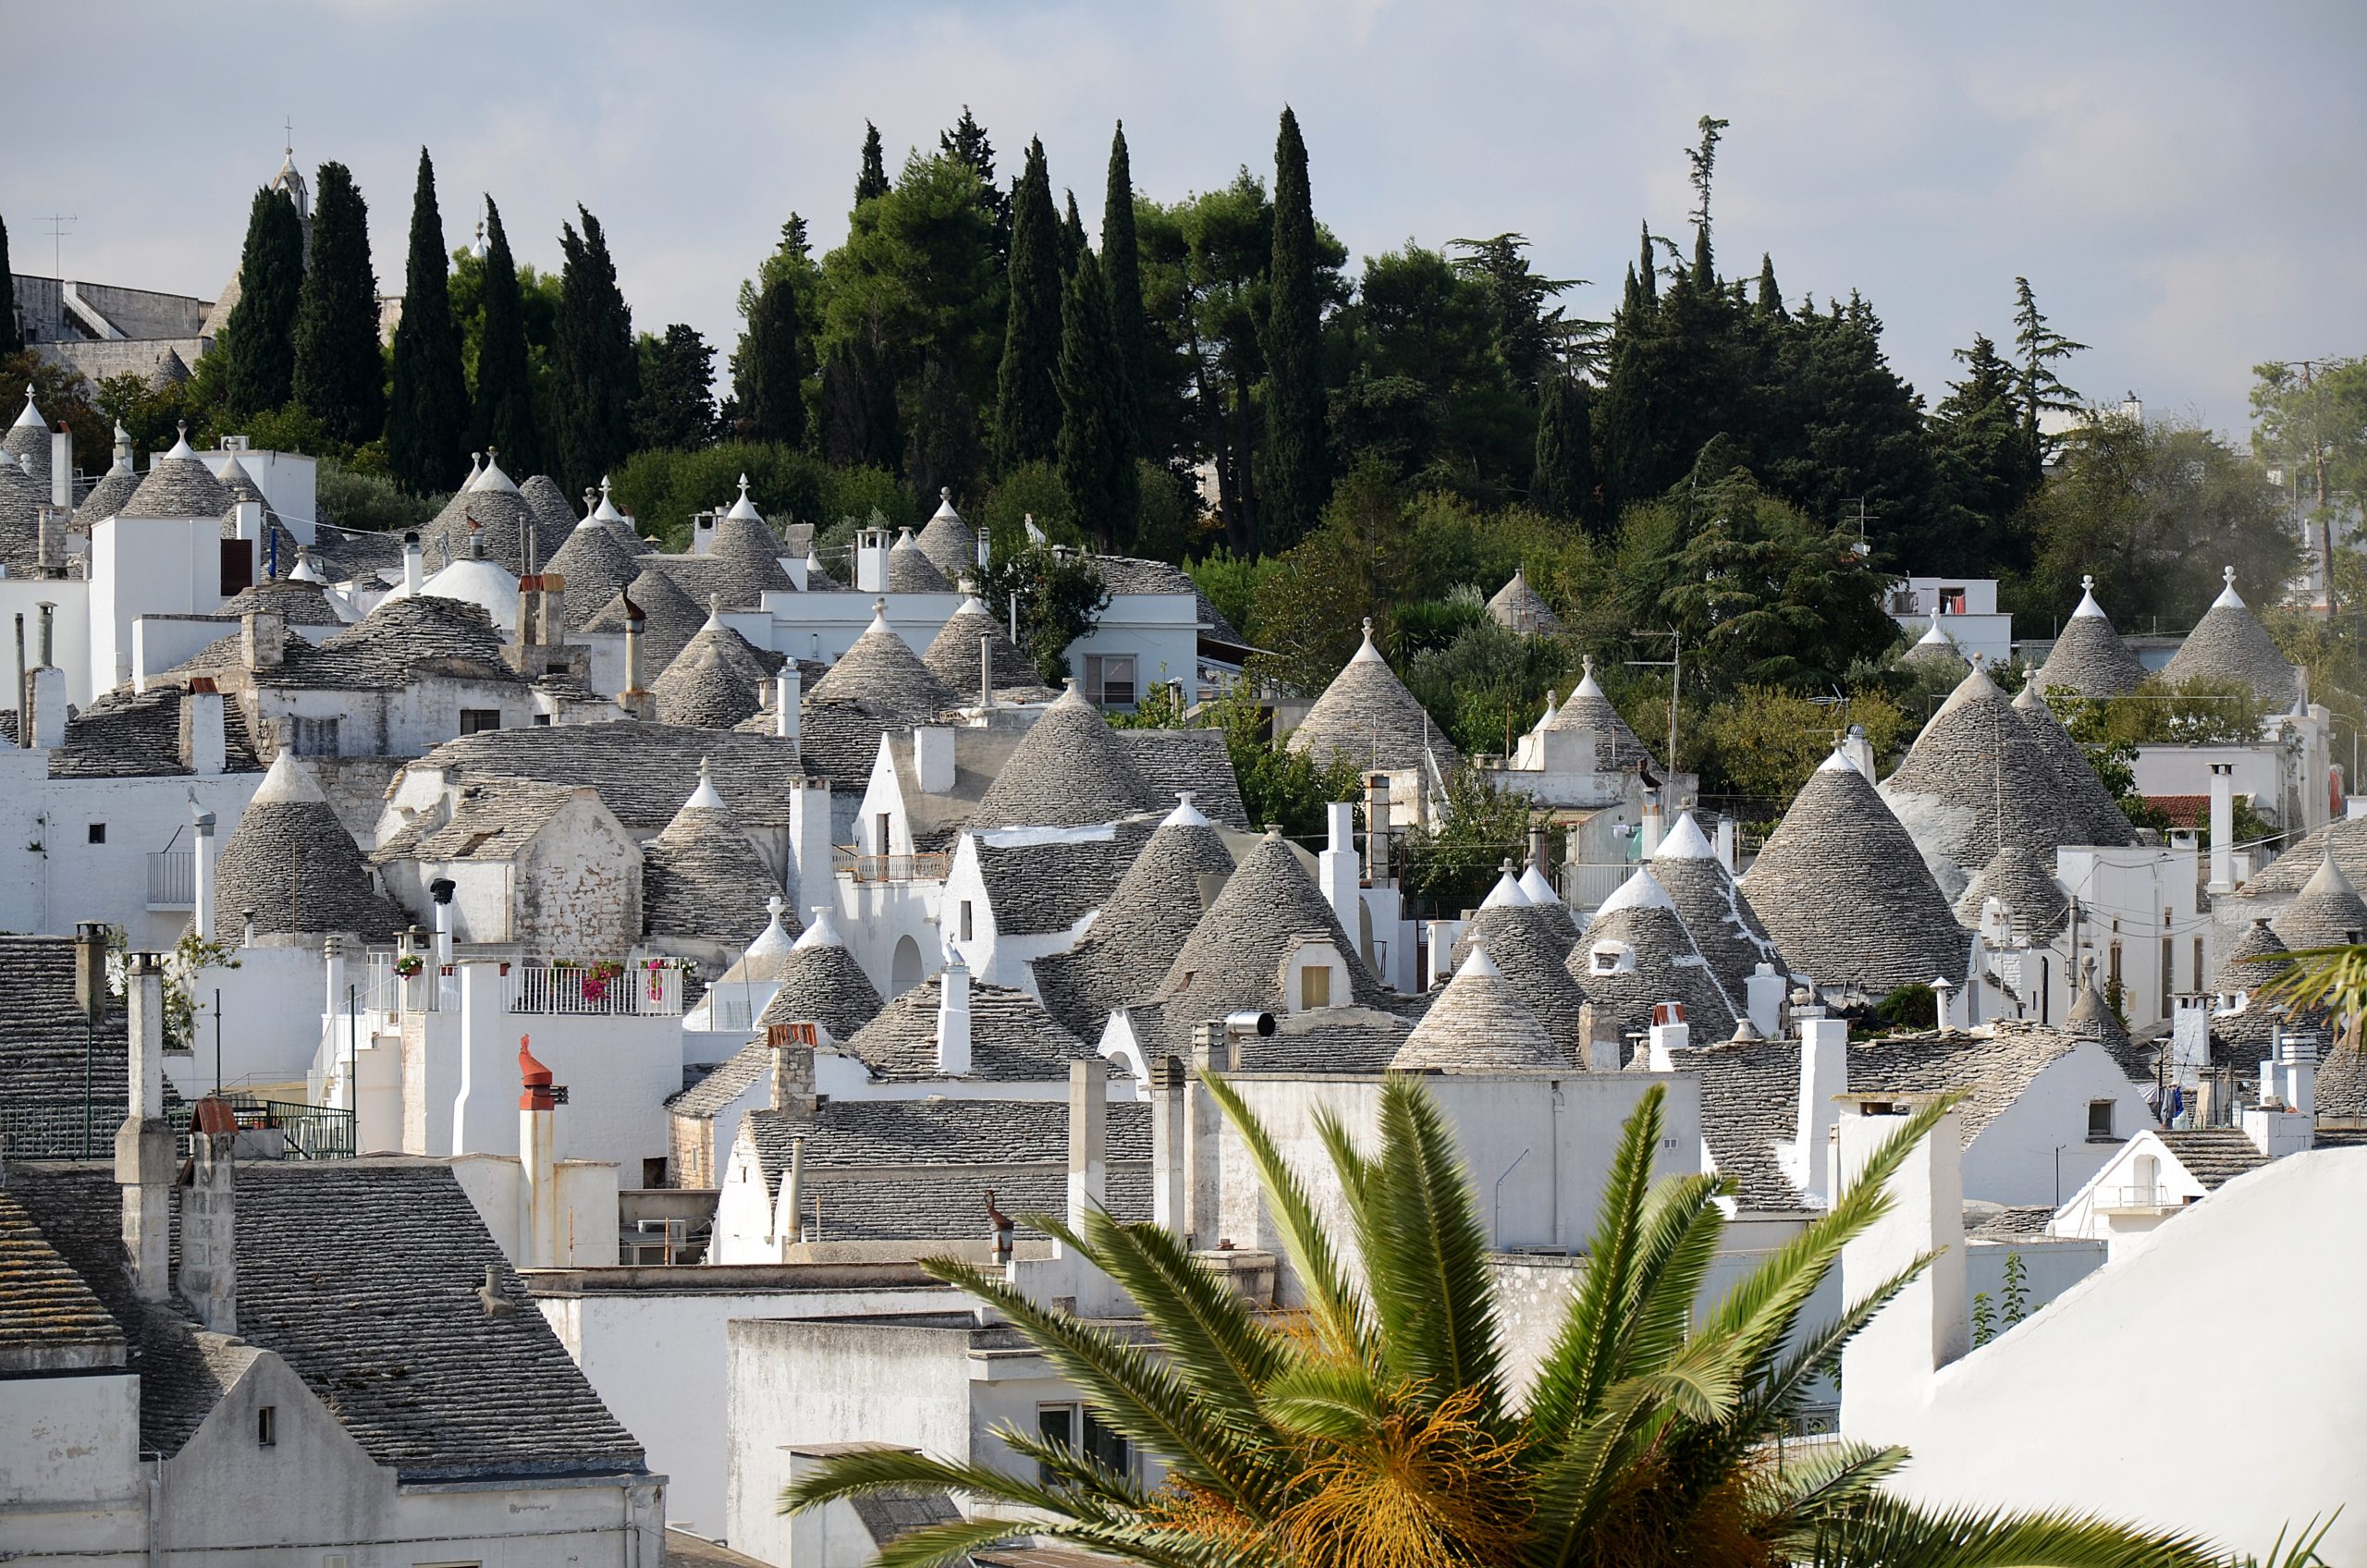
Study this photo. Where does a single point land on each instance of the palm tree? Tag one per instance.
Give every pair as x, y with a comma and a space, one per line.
2328, 982
1375, 1426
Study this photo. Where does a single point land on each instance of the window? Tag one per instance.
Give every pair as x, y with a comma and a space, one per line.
966, 919
316, 736
2198, 963
879, 834
1110, 679
1072, 1425
1952, 601
2169, 966
238, 566
267, 1426
1314, 986
2112, 974
2100, 1121
475, 720
98, 832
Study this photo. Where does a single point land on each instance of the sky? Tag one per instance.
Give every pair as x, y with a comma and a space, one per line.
2182, 184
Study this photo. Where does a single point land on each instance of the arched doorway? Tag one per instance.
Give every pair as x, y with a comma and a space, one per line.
904, 970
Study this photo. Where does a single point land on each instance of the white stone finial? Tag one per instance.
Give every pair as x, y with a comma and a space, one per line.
2228, 572
744, 485
944, 492
2088, 583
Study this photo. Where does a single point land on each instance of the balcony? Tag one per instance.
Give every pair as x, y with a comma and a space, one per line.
891, 868
639, 987
172, 879
2153, 1200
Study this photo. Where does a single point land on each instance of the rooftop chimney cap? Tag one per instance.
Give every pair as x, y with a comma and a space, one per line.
1248, 1022
441, 889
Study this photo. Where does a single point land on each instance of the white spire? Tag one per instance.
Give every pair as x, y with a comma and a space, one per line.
1185, 814
607, 511
1368, 654
1540, 890
822, 931
288, 783
1642, 891
2089, 609
1477, 963
2228, 599
181, 447
305, 572
703, 798
945, 504
491, 477
122, 451
773, 939
1507, 893
31, 418
744, 507
1587, 686
1838, 763
713, 613
878, 618
1937, 637
1685, 841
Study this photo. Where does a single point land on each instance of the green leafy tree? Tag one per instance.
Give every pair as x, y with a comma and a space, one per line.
1288, 789
1427, 393
1561, 481
339, 375
1060, 595
872, 179
505, 400
859, 421
427, 420
768, 371
1528, 335
677, 403
65, 397
261, 369
2310, 422
1295, 473
1455, 860
944, 451
916, 281
1027, 403
1031, 493
1859, 443
1986, 468
1380, 1427
1122, 280
968, 141
1095, 462
12, 335
1072, 237
599, 371
2040, 347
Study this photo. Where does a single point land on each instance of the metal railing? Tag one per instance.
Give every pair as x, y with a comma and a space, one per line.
2134, 1196
172, 879
306, 1132
648, 988
1585, 886
891, 868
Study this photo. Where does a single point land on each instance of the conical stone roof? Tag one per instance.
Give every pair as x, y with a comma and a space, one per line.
1709, 903
298, 601
2241, 968
1531, 950
2022, 878
1066, 772
1616, 748
881, 671
703, 688
1128, 949
743, 559
702, 877
952, 655
1937, 646
20, 503
502, 516
593, 567
605, 512
555, 516
1636, 952
823, 984
1479, 1024
1844, 892
947, 540
1517, 607
293, 864
767, 956
1367, 718
911, 572
2228, 644
2327, 913
2089, 659
178, 485
29, 439
115, 487
669, 619
2100, 819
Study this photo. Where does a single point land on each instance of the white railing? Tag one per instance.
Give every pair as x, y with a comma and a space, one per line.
730, 1012
1585, 887
648, 988
172, 879
426, 991
2136, 1197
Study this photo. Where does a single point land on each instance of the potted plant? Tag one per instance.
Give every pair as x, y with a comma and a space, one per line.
409, 965
597, 978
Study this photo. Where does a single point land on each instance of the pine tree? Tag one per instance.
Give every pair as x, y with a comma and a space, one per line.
12, 336
1769, 302
339, 375
1122, 280
2041, 391
505, 400
1526, 334
944, 452
1027, 403
1072, 239
1704, 160
1095, 462
676, 408
768, 371
1648, 276
598, 371
427, 421
1296, 470
967, 141
263, 323
859, 418
1986, 468
873, 180
1564, 481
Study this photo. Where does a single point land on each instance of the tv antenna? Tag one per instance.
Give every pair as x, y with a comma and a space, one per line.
60, 225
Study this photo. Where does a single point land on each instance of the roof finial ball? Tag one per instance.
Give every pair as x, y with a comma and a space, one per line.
2088, 583
2229, 573
945, 493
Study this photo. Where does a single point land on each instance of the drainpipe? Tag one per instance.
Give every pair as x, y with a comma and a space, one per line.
24, 689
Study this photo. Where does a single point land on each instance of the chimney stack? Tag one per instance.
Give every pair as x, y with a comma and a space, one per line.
1088, 1139
789, 697
953, 1020
24, 689
143, 1145
201, 866
263, 638
793, 1046
209, 1220
2223, 828
414, 566
1377, 830
1824, 1077
1887, 1368
1669, 1034
635, 702
986, 671
204, 741
538, 1157
61, 469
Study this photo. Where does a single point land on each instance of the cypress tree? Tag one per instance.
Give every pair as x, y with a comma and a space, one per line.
1647, 273
873, 180
505, 401
339, 375
1122, 280
263, 323
1072, 239
599, 376
1771, 299
1564, 481
944, 452
676, 408
1095, 460
1297, 469
767, 371
12, 337
1027, 403
859, 421
428, 424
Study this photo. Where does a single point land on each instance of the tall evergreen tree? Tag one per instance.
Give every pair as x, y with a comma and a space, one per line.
1027, 403
598, 371
427, 423
859, 418
873, 180
1648, 275
1704, 159
676, 409
967, 141
768, 371
263, 323
1096, 462
339, 375
1526, 333
1769, 302
2039, 345
505, 399
1986, 468
12, 336
1563, 481
944, 452
1072, 237
1296, 471
1122, 280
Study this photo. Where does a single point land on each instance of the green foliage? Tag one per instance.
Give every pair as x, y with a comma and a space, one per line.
507, 420
1453, 863
12, 337
1096, 456
1561, 481
768, 372
1764, 741
967, 141
349, 498
661, 487
427, 416
64, 397
1278, 786
1231, 582
1167, 519
1987, 468
1984, 1320
858, 404
2015, 1296
676, 407
871, 180
339, 373
1027, 402
1296, 469
944, 451
1122, 279
263, 323
1488, 684
1033, 490
598, 371
1911, 1007
291, 427
1528, 337
1060, 595
918, 280
2040, 346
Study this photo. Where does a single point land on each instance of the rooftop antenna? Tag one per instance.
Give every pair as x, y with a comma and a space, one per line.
288, 146
60, 225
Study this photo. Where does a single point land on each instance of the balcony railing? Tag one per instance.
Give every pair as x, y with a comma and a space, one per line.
2135, 1199
646, 989
308, 1132
892, 868
172, 879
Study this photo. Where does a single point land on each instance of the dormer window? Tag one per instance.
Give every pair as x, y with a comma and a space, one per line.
1610, 958
1312, 975
1314, 986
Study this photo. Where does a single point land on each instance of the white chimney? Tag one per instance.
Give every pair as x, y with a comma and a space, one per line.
333, 964
1336, 867
812, 881
201, 857
953, 1020
1088, 1138
933, 758
440, 893
1651, 828
1943, 997
1726, 849
49, 705
1886, 1370
414, 567
143, 1147
1824, 1077
538, 1160
2223, 828
1763, 1001
61, 471
789, 695
871, 545
209, 742
1669, 1034
1859, 751
249, 521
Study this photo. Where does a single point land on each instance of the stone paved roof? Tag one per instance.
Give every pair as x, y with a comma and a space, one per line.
946, 541
1846, 896
1169, 762
594, 566
46, 1309
1616, 748
1143, 924
29, 439
2023, 878
555, 516
2239, 969
823, 984
128, 734
605, 512
1479, 1024
716, 681
42, 1054
296, 600
712, 1095
1368, 719
178, 485
1069, 770
2005, 1222
952, 655
911, 572
503, 517
2213, 1155
1013, 1039
644, 772
669, 617
1132, 574
1710, 904
2342, 837
20, 503
1518, 607
742, 560
2089, 659
1330, 1039
292, 863
1037, 887
1749, 1104
1530, 948
106, 498
1991, 1065
2099, 817
880, 671
397, 644
702, 877
493, 820
2341, 1092
1667, 965
2228, 644
2328, 912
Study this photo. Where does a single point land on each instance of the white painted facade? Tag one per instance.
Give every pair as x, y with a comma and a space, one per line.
1966, 611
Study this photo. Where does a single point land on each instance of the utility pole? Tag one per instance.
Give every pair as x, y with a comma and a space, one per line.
2308, 369
1675, 665
60, 225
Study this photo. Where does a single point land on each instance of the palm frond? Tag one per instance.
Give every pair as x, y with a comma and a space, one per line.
1831, 1480
1575, 1483
901, 1470
1210, 1335
2331, 980
1337, 1401
949, 1545
1336, 1309
1886, 1530
1682, 1227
